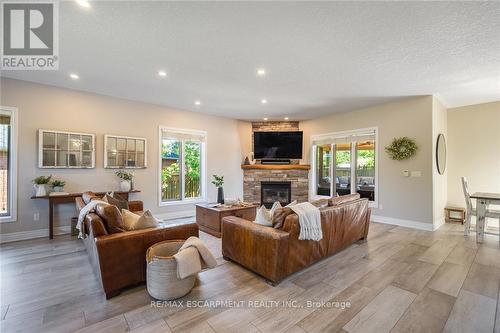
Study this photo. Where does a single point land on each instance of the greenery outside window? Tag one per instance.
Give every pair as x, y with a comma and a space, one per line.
182, 166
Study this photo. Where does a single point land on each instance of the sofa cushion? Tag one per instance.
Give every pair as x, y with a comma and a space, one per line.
117, 201
343, 199
111, 217
279, 217
133, 221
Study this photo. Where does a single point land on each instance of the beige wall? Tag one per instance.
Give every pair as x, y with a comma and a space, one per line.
401, 200
440, 182
47, 107
473, 149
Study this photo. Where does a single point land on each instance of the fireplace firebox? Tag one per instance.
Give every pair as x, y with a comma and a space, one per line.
270, 192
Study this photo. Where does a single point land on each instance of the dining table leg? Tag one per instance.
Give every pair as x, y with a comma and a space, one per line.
481, 217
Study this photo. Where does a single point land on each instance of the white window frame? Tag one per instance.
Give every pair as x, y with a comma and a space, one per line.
341, 134
12, 217
203, 182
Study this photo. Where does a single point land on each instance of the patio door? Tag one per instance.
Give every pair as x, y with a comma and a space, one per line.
345, 163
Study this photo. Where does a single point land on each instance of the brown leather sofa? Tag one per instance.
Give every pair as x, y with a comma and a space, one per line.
278, 253
119, 259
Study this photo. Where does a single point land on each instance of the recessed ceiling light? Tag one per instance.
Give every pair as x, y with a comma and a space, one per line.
74, 76
286, 118
261, 72
83, 3
263, 101
265, 118
162, 73
197, 103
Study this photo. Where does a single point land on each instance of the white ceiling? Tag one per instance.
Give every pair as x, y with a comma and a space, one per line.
321, 57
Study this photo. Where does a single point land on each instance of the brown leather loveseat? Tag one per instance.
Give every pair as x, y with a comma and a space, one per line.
276, 253
119, 258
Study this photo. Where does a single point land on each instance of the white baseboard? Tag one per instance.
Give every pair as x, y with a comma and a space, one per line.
438, 223
403, 223
25, 235
176, 215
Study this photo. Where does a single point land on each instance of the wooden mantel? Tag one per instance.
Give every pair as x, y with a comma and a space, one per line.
276, 166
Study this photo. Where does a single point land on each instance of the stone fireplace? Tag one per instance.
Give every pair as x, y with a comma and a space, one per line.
270, 192
296, 176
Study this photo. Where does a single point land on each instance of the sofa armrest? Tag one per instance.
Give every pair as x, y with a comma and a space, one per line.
261, 249
122, 256
135, 206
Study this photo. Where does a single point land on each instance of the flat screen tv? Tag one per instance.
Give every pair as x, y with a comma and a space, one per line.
277, 145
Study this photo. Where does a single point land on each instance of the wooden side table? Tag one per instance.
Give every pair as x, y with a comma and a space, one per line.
454, 210
209, 217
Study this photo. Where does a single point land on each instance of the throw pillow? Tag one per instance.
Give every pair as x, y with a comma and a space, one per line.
265, 216
132, 221
280, 215
116, 201
111, 217
343, 199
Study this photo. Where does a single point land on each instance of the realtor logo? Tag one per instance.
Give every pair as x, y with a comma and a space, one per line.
30, 36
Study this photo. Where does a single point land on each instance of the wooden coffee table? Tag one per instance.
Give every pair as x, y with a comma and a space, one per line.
209, 218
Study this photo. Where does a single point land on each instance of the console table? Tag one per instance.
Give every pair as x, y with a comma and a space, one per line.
68, 198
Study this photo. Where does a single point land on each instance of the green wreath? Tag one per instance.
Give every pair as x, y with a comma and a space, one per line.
401, 148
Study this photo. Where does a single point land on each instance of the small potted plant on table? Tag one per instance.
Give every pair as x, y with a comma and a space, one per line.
41, 185
58, 185
218, 182
126, 179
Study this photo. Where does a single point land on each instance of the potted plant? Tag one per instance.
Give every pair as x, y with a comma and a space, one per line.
126, 179
41, 185
218, 182
58, 185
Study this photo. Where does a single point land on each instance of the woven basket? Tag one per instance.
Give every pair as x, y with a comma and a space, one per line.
162, 280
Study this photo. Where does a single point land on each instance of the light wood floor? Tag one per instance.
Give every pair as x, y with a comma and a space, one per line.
400, 280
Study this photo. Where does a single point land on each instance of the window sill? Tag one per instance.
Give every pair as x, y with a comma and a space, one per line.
182, 202
7, 219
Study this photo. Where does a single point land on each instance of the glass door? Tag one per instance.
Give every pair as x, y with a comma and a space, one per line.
343, 165
323, 169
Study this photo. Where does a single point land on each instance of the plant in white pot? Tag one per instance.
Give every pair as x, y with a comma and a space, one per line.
126, 179
58, 185
41, 185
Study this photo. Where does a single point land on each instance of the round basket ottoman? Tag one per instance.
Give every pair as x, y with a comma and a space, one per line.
162, 281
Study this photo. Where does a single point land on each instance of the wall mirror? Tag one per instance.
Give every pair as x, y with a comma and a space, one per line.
60, 150
441, 154
124, 152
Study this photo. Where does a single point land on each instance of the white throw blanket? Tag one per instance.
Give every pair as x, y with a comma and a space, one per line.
192, 257
89, 208
309, 221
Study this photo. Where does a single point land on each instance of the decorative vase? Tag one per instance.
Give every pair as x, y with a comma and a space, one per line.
58, 188
220, 195
40, 190
125, 186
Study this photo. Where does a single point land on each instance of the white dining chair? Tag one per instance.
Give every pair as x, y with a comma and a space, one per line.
471, 211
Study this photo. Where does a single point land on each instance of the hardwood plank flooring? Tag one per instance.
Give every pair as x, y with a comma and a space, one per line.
428, 313
400, 280
472, 313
